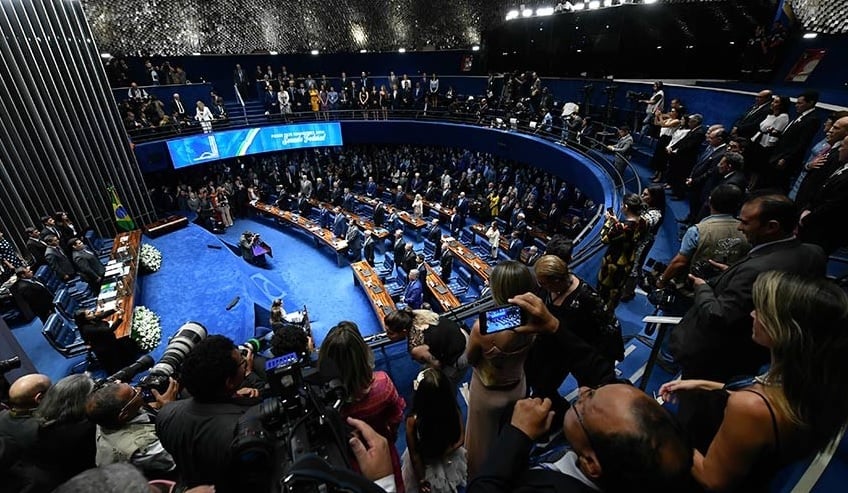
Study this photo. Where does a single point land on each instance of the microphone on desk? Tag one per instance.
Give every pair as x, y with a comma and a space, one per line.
233, 303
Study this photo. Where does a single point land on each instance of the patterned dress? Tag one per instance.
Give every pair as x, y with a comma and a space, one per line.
382, 408
623, 238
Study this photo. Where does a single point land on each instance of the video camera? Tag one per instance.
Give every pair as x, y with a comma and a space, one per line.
159, 376
299, 422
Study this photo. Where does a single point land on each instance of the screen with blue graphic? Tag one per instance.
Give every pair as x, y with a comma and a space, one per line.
500, 319
204, 148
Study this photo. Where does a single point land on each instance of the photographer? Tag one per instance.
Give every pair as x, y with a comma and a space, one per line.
126, 430
716, 239
198, 431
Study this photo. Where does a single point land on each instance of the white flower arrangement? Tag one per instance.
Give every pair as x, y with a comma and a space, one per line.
150, 258
146, 329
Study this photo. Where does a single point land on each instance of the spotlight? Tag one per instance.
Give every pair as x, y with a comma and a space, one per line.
544, 11
196, 53
475, 48
363, 50
650, 1
607, 3
595, 4
579, 6
810, 35
273, 53
106, 55
314, 52
401, 50
512, 14
526, 12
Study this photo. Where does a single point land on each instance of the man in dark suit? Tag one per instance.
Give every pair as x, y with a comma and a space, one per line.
379, 215
371, 187
456, 225
178, 109
728, 172
748, 124
321, 190
823, 217
354, 241
57, 259
49, 228
462, 206
554, 219
33, 292
713, 340
819, 168
368, 247
788, 155
431, 194
400, 198
621, 439
90, 268
515, 246
240, 80
533, 255
35, 246
703, 171
416, 184
398, 249
339, 225
434, 234
446, 263
682, 155
410, 259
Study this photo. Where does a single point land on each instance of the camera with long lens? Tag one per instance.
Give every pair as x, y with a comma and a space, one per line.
179, 346
10, 364
300, 420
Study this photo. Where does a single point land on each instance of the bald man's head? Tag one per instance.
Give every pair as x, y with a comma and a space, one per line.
26, 391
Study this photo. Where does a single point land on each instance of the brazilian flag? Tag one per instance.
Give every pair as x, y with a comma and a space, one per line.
122, 217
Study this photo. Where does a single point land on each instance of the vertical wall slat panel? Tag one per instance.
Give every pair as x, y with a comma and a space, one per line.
61, 138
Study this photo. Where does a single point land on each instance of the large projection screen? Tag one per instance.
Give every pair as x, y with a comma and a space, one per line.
204, 148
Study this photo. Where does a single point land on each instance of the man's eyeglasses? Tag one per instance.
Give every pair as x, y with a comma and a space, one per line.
578, 400
136, 395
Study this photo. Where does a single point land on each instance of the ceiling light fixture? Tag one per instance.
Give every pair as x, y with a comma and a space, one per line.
544, 11
526, 12
810, 35
512, 14
475, 48
401, 50
314, 52
595, 4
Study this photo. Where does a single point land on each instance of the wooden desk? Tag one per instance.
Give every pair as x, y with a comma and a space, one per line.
469, 258
381, 302
376, 233
410, 220
126, 249
440, 291
319, 234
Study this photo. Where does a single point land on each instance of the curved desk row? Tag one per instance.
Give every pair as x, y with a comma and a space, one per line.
319, 234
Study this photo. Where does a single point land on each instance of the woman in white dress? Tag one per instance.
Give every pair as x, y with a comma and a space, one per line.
494, 236
418, 206
204, 116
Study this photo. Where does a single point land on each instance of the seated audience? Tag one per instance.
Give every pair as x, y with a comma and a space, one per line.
435, 458
112, 353
796, 407
497, 360
372, 397
434, 341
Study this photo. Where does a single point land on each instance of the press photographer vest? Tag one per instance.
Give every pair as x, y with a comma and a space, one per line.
119, 445
719, 240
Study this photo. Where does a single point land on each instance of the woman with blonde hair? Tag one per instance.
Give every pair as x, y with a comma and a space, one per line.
796, 407
497, 380
418, 206
372, 397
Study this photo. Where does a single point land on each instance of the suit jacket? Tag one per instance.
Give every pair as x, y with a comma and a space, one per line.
508, 470
413, 295
749, 124
434, 234
36, 295
531, 260
456, 225
340, 225
51, 230
59, 262
815, 178
37, 249
89, 266
379, 215
824, 225
446, 263
706, 166
398, 249
462, 207
687, 148
409, 261
515, 247
368, 250
354, 240
795, 142
713, 340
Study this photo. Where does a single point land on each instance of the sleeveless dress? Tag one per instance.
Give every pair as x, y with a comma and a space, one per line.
497, 382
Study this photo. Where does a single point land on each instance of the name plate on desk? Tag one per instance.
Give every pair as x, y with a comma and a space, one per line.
376, 289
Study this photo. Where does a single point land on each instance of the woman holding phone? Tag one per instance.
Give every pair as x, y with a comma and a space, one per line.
497, 359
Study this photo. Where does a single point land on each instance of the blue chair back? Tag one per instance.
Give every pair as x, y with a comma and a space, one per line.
64, 303
466, 237
429, 247
63, 337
